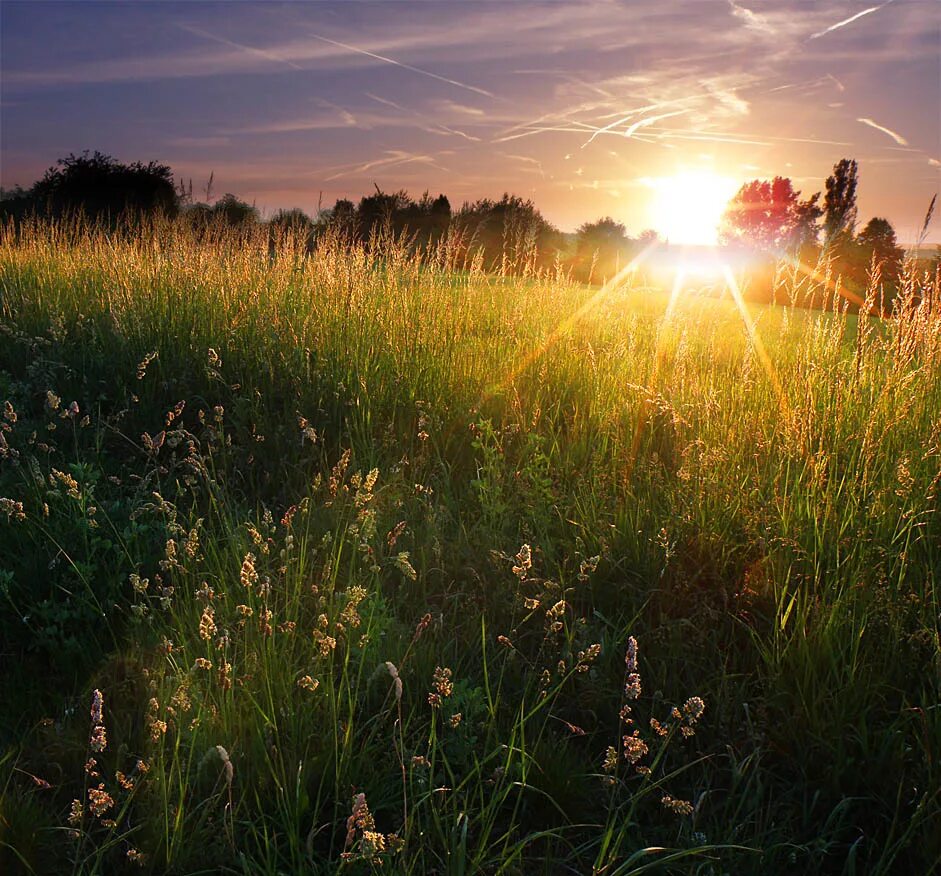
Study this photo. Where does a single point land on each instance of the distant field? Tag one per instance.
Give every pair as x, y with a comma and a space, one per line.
384, 567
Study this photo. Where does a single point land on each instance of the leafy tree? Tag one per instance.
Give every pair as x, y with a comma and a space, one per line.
878, 241
103, 188
769, 215
599, 248
383, 209
839, 204
295, 220
235, 211
511, 233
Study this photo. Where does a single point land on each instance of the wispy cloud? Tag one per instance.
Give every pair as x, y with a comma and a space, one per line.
375, 56
751, 19
846, 21
393, 158
895, 136
265, 54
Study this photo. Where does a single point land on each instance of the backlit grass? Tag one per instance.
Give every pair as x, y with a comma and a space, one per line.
354, 550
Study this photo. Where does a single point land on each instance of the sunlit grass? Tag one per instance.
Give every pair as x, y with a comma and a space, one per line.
385, 468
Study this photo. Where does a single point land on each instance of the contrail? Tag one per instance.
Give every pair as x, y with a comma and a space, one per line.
395, 63
847, 21
897, 137
262, 53
642, 123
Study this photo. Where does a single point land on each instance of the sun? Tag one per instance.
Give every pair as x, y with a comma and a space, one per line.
688, 206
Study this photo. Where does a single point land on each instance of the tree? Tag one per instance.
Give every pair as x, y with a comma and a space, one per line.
510, 233
769, 215
839, 204
103, 188
235, 211
878, 242
599, 248
295, 220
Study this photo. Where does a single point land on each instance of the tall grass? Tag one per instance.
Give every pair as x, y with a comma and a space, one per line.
355, 550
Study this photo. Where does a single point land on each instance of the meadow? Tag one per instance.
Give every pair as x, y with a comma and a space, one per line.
339, 563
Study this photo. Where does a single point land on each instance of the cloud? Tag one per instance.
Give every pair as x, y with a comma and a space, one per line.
846, 21
409, 67
897, 137
752, 20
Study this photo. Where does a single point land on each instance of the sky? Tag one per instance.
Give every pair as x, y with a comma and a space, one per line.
609, 108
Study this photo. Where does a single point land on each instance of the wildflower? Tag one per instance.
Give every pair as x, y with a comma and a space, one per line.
9, 414
144, 363
12, 509
421, 626
67, 481
393, 535
679, 807
325, 643
52, 401
339, 470
248, 575
587, 657
136, 857
99, 800
634, 747
693, 709
442, 681
98, 740
360, 819
455, 719
632, 685
524, 562
307, 683
610, 763
402, 563
350, 615
124, 781
202, 663
76, 811
587, 567
207, 624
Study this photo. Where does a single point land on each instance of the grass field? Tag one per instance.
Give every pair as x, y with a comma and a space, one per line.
322, 564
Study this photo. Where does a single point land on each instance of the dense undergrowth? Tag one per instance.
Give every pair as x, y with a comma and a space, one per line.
333, 563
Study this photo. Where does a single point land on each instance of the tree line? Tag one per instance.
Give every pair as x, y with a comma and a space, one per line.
767, 218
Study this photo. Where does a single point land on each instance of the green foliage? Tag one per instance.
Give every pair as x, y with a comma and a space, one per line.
372, 542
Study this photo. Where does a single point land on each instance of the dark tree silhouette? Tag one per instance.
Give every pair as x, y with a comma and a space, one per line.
839, 204
295, 220
769, 215
511, 234
102, 188
234, 211
600, 248
877, 241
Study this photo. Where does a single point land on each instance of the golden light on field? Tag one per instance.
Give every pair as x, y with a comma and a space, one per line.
687, 206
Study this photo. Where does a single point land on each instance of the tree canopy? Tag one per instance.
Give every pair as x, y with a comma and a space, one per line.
102, 188
769, 215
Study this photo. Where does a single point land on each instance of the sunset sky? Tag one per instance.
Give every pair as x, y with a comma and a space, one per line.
588, 108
